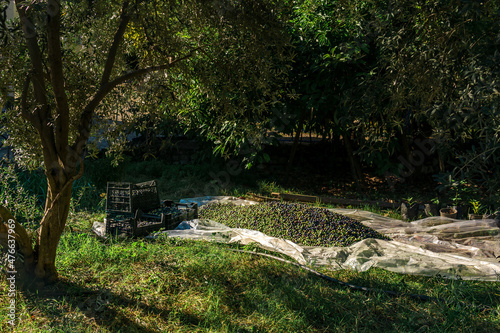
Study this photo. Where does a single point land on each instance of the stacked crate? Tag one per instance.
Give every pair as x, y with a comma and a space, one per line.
136, 210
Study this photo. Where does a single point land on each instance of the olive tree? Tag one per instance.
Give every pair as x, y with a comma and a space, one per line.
389, 75
74, 65
439, 67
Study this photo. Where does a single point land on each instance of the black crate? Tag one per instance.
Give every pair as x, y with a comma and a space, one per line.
173, 212
188, 211
138, 225
128, 197
146, 224
117, 224
142, 224
145, 196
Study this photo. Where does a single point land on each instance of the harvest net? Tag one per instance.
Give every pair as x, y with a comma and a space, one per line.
431, 246
434, 246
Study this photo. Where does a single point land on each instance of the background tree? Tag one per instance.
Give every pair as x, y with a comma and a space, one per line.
383, 74
437, 64
74, 65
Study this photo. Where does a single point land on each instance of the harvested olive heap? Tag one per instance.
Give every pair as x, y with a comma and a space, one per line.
299, 223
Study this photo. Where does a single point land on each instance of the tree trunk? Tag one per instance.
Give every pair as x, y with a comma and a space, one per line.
51, 228
296, 142
38, 263
353, 161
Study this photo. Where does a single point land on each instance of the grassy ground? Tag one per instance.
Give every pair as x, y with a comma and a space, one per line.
191, 286
186, 286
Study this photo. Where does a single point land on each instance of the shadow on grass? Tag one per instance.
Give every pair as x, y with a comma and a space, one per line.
253, 294
102, 306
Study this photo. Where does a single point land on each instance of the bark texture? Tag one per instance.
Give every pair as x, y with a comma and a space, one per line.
50, 231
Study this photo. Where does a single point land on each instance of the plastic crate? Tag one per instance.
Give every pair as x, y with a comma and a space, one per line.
172, 214
132, 226
144, 225
128, 197
141, 224
189, 211
145, 196
117, 224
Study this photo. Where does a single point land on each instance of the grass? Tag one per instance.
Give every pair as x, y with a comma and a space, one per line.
172, 285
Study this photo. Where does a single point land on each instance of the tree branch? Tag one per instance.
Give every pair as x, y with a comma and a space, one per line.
86, 117
35, 57
117, 39
41, 113
141, 72
104, 87
24, 108
57, 77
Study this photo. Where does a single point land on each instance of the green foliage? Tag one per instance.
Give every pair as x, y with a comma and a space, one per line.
397, 71
24, 192
227, 58
225, 87
456, 95
384, 73
457, 191
15, 195
410, 201
476, 206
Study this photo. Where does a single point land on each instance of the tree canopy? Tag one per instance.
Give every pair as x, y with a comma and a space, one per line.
388, 75
75, 65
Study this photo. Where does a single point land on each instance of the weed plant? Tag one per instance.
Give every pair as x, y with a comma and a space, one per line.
16, 196
24, 192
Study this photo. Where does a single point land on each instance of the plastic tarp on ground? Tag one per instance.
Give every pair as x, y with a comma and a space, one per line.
431, 246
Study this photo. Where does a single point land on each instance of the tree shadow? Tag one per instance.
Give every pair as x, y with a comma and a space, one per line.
320, 307
102, 306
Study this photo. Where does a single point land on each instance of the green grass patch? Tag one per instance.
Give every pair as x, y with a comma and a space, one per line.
172, 285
